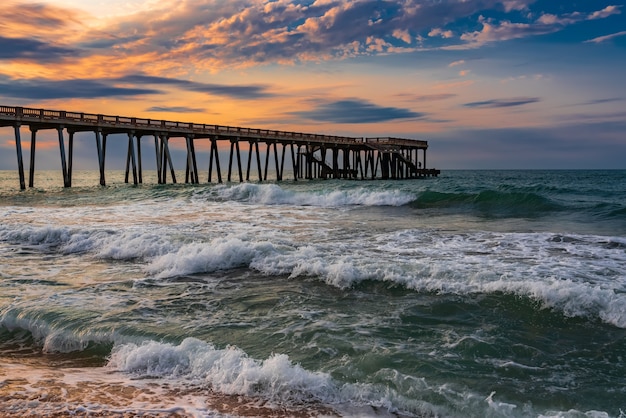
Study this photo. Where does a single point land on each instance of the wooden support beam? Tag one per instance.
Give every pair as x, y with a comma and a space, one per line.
168, 159
63, 157
163, 159
157, 150
31, 171
70, 158
139, 168
309, 161
210, 160
194, 160
104, 150
191, 172
239, 161
20, 159
258, 160
131, 158
214, 154
359, 163
251, 143
276, 161
282, 163
127, 171
98, 133
230, 159
294, 163
217, 163
267, 159
187, 164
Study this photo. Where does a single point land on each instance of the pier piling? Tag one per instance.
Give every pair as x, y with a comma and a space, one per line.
20, 159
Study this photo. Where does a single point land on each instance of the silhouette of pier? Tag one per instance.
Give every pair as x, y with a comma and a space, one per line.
313, 156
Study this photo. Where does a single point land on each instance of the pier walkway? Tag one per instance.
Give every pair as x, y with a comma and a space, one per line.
313, 156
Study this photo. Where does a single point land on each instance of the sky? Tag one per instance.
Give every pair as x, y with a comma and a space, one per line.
490, 84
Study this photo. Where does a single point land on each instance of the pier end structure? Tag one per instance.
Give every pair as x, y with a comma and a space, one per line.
350, 157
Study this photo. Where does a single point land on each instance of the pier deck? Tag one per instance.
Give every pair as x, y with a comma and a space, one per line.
350, 157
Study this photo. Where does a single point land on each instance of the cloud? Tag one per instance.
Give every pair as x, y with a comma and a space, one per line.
213, 34
176, 38
606, 12
510, 5
32, 49
129, 85
456, 63
176, 109
498, 103
251, 91
427, 97
440, 32
601, 101
601, 39
505, 31
41, 89
356, 111
402, 34
36, 19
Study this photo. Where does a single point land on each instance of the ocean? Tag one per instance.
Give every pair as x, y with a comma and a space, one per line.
474, 294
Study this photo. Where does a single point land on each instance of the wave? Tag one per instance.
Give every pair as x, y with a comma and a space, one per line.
617, 213
279, 382
272, 194
129, 244
52, 334
489, 202
229, 370
578, 275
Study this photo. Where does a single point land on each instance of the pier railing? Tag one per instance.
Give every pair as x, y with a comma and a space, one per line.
104, 121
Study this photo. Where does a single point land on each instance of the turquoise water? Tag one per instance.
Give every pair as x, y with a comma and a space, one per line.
479, 293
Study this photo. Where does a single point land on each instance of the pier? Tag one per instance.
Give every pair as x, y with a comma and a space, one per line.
313, 156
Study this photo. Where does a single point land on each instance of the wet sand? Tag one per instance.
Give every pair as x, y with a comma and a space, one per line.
45, 391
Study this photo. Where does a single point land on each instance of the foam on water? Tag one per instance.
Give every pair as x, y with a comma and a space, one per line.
272, 194
227, 370
577, 275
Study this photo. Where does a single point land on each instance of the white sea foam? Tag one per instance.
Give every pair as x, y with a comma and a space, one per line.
229, 370
47, 235
219, 254
277, 378
272, 194
580, 276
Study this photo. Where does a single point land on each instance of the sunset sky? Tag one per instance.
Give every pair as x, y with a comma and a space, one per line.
489, 83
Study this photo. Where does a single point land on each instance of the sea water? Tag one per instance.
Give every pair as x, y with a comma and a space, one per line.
475, 294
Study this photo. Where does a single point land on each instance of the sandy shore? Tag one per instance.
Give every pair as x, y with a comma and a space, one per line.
31, 390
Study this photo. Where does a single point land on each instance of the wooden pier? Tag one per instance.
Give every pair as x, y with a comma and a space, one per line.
312, 156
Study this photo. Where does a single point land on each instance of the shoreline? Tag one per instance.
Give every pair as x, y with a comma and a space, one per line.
34, 390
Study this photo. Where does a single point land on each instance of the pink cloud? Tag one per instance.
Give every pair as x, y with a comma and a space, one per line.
606, 12
606, 38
